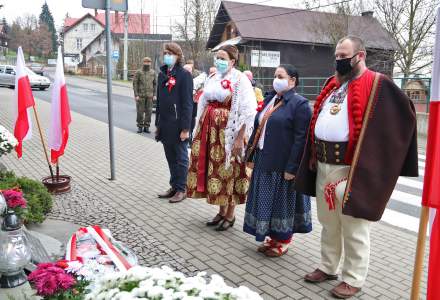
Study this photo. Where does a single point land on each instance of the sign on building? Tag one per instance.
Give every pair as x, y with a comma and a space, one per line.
119, 5
115, 54
52, 61
265, 59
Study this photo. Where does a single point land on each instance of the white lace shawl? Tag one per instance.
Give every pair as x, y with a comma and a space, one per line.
243, 108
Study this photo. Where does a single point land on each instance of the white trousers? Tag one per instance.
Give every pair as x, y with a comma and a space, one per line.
342, 235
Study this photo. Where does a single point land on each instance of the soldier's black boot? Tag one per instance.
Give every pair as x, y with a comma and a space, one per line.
147, 130
139, 130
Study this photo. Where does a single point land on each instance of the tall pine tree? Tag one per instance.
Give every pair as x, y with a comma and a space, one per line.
5, 24
47, 19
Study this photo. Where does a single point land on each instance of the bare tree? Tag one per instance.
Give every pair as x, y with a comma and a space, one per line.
42, 41
341, 21
335, 24
197, 22
34, 38
411, 23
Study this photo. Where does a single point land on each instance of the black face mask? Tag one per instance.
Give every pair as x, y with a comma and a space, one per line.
146, 67
343, 66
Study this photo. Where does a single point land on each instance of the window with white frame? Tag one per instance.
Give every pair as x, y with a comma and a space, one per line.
79, 43
85, 27
92, 27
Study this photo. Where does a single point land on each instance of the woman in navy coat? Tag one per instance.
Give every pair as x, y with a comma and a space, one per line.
173, 118
274, 211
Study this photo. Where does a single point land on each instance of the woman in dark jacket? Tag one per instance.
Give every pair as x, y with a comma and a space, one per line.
173, 118
274, 211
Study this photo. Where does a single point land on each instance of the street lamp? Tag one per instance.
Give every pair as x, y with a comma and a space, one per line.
15, 252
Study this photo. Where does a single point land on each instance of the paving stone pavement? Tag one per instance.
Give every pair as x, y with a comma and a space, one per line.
82, 207
162, 233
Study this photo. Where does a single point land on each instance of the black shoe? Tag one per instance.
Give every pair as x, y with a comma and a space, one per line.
225, 225
217, 219
147, 130
139, 130
168, 194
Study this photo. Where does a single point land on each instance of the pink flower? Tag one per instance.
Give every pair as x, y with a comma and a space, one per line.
47, 287
65, 281
50, 279
14, 199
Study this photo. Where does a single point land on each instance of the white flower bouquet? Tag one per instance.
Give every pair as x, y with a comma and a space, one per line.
7, 141
164, 284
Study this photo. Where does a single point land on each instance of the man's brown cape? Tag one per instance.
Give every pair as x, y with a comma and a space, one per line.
388, 149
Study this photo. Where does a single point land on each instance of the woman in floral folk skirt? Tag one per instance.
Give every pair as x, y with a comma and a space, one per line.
224, 122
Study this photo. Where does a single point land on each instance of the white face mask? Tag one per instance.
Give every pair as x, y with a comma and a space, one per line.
280, 85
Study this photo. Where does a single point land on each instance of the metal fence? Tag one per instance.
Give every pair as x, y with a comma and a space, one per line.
417, 88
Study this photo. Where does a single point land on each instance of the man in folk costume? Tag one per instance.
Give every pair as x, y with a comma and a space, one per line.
362, 137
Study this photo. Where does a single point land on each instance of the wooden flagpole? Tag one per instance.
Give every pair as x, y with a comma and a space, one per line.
42, 142
58, 171
420, 253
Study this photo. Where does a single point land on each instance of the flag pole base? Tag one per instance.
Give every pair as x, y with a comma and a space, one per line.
56, 187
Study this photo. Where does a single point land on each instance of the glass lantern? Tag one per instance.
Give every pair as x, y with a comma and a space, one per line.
3, 205
15, 252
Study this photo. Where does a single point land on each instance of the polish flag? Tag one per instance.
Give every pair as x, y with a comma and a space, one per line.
60, 113
24, 101
431, 187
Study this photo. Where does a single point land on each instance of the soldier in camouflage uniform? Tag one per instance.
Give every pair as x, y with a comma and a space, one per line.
144, 86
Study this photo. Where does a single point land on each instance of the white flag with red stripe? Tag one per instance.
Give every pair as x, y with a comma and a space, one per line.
60, 113
23, 103
431, 187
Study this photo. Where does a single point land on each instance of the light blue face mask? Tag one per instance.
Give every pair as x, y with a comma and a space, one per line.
222, 65
169, 60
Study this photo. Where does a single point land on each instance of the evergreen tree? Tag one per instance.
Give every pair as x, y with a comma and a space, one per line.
47, 19
6, 28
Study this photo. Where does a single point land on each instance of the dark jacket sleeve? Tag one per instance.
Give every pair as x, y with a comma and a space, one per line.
301, 123
250, 156
155, 85
156, 121
411, 165
186, 101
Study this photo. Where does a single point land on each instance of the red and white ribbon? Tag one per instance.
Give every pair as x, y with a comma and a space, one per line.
330, 193
103, 241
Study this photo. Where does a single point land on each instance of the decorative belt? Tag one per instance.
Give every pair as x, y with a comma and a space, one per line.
331, 152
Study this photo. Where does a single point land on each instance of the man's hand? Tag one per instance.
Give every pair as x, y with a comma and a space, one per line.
237, 148
288, 176
154, 98
184, 135
250, 165
136, 98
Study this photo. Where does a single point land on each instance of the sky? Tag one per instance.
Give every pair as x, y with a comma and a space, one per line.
168, 11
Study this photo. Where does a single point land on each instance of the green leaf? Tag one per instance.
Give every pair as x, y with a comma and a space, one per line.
128, 286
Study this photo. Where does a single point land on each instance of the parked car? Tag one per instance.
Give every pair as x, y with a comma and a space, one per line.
7, 77
37, 68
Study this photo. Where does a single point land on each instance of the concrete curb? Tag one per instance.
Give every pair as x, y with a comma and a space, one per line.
116, 83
